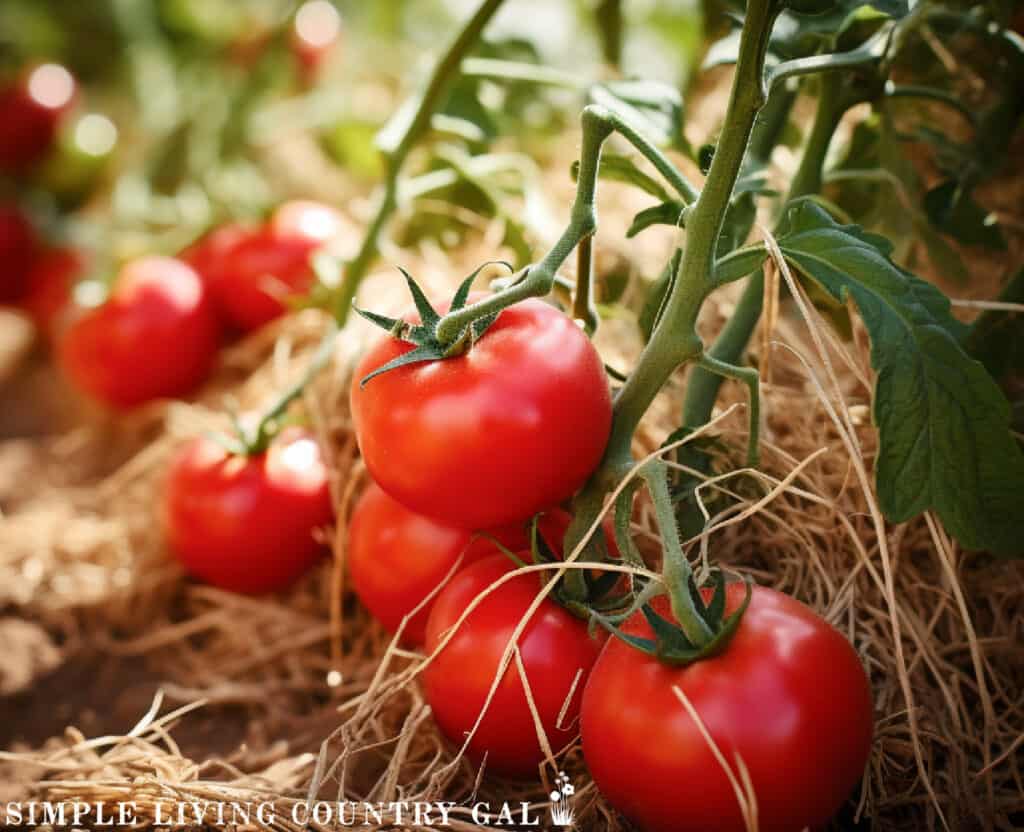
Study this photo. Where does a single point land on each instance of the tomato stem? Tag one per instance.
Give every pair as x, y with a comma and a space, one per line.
397, 139
597, 125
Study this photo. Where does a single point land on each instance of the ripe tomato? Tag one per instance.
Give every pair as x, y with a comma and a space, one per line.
50, 282
554, 647
396, 557
156, 336
788, 695
32, 109
18, 247
495, 435
211, 251
246, 524
254, 276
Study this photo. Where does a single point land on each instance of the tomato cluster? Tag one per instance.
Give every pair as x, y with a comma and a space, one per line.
489, 437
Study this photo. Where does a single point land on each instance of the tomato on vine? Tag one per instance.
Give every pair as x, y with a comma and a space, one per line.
247, 522
556, 652
32, 109
787, 695
256, 273
509, 427
156, 336
397, 557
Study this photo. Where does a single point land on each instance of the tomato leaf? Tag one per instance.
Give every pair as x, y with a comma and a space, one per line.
664, 213
616, 167
944, 442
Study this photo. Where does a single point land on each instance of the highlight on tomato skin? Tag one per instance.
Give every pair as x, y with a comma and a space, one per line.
556, 652
156, 336
32, 109
493, 436
248, 524
315, 33
788, 696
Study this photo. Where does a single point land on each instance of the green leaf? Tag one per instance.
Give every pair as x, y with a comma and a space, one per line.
653, 108
944, 442
615, 167
665, 213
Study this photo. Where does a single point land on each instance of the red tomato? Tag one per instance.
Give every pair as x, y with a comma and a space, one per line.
495, 435
155, 337
30, 111
396, 557
18, 246
211, 251
788, 695
554, 647
49, 287
263, 270
246, 524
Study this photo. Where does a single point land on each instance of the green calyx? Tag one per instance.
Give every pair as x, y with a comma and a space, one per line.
669, 643
429, 346
599, 590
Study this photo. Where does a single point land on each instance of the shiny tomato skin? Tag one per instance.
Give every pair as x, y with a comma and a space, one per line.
155, 337
31, 109
256, 275
18, 249
788, 695
50, 283
493, 436
396, 557
554, 647
246, 524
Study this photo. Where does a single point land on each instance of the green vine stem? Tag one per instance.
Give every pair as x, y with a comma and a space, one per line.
397, 139
597, 124
702, 386
674, 340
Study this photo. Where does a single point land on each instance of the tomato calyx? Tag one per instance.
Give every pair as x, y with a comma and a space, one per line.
671, 644
599, 589
429, 346
701, 628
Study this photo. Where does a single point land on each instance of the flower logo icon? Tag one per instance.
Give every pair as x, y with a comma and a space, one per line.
561, 812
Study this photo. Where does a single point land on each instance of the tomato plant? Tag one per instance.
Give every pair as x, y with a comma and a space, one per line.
156, 336
18, 247
246, 522
255, 273
32, 108
787, 695
510, 427
554, 648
